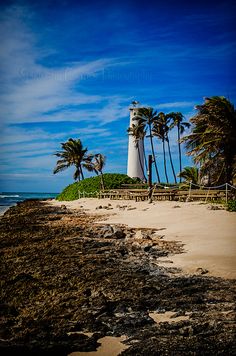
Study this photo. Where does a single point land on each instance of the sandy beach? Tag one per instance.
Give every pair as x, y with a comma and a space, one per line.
209, 236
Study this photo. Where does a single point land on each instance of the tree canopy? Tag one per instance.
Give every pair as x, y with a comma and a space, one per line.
212, 142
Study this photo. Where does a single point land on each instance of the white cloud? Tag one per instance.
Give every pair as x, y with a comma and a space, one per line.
176, 104
33, 92
10, 136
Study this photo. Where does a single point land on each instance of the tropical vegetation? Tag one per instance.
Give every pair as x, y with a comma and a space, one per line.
190, 175
74, 154
96, 164
212, 142
91, 186
178, 121
231, 205
149, 123
146, 117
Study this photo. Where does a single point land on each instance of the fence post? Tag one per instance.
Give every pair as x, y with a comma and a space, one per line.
226, 193
189, 192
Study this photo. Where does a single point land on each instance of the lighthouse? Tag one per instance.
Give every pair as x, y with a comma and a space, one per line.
135, 166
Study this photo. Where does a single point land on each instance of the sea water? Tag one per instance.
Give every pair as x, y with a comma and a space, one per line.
10, 199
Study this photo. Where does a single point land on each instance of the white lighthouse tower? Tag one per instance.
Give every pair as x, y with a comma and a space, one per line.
135, 167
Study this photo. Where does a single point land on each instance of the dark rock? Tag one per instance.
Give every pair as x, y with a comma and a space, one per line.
118, 232
62, 276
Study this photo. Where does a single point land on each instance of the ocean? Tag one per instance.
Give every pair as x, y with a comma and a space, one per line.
10, 199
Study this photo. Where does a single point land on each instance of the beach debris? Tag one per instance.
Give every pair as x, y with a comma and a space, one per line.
131, 208
106, 207
143, 235
215, 207
201, 270
176, 206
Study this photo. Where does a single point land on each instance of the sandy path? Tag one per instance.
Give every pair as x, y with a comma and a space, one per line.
209, 235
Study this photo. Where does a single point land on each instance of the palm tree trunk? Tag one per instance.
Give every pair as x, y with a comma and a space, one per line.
144, 153
81, 172
153, 153
180, 158
164, 156
102, 181
171, 162
77, 172
140, 161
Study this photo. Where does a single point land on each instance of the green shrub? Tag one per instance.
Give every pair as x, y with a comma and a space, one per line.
93, 184
231, 205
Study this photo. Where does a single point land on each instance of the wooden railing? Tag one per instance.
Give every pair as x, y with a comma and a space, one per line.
164, 194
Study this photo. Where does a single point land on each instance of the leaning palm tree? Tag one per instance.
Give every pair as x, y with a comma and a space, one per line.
212, 141
96, 163
177, 120
146, 116
72, 154
138, 132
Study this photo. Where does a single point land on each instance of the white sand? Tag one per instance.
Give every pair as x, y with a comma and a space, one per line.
209, 235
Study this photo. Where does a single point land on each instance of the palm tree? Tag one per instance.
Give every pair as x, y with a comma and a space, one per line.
163, 122
146, 116
177, 118
190, 175
159, 131
212, 142
96, 163
72, 154
138, 131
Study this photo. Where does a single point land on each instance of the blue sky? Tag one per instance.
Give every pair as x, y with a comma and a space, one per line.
72, 68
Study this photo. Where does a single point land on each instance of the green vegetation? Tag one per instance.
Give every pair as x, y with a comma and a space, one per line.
212, 142
189, 174
146, 117
93, 184
96, 164
231, 205
150, 124
74, 154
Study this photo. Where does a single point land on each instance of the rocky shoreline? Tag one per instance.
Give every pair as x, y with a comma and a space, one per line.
64, 275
